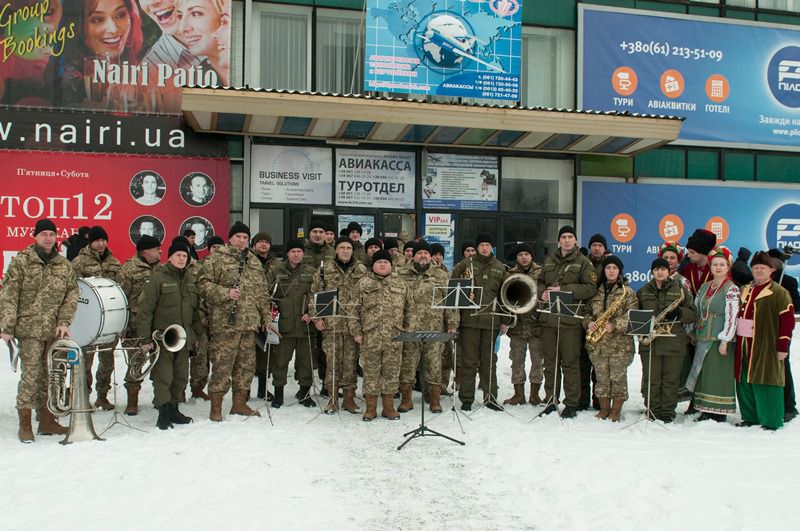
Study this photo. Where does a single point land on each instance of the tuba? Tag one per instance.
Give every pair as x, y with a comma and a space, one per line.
63, 356
140, 363
518, 293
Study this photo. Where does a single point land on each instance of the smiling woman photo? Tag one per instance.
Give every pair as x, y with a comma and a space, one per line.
204, 26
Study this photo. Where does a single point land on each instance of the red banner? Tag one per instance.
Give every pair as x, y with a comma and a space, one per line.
127, 195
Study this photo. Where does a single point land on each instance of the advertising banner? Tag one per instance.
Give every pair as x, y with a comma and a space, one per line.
126, 195
441, 228
445, 48
123, 55
737, 84
382, 179
460, 182
287, 174
638, 218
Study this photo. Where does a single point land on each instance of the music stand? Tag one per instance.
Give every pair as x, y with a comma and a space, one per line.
640, 324
424, 337
117, 417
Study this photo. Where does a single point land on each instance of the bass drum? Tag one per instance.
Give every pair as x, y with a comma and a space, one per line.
102, 312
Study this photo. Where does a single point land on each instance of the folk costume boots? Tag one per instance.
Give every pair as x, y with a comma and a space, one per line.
216, 407
605, 408
25, 429
389, 412
48, 425
405, 404
519, 396
240, 407
372, 408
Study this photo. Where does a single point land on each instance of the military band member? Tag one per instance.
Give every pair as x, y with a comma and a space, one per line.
393, 246
342, 274
478, 331
437, 256
132, 277
354, 232
330, 234
198, 364
262, 246
37, 304
562, 337
372, 246
526, 336
408, 250
316, 250
672, 252
467, 250
96, 260
233, 285
421, 278
169, 298
613, 352
598, 250
380, 304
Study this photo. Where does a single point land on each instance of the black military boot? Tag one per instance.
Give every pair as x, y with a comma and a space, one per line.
278, 400
305, 397
164, 421
466, 406
262, 386
569, 412
178, 417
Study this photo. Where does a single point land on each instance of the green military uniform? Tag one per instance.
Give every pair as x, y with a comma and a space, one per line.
477, 332
169, 297
359, 253
39, 294
314, 254
132, 277
573, 273
667, 353
90, 263
291, 290
525, 337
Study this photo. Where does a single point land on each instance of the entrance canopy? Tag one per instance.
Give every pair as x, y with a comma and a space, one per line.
357, 119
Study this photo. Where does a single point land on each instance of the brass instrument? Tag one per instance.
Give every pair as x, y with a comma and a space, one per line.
600, 331
518, 293
470, 274
140, 363
659, 328
63, 356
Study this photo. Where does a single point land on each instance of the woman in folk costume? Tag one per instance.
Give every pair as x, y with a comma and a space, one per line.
711, 376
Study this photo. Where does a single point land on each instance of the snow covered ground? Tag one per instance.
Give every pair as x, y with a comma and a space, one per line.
337, 472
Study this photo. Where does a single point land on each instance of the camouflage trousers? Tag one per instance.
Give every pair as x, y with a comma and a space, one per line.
520, 346
233, 361
32, 389
198, 364
380, 361
433, 362
289, 346
170, 376
345, 351
611, 367
105, 367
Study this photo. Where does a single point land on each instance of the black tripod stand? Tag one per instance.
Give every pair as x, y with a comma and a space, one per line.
424, 337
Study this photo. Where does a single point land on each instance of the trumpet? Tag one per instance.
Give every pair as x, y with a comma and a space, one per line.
140, 363
63, 356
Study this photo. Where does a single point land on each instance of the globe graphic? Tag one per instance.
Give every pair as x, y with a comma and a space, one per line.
451, 29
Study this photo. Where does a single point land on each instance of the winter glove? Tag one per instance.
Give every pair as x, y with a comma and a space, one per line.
674, 315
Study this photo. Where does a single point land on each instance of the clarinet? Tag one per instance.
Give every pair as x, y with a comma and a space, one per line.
322, 275
235, 306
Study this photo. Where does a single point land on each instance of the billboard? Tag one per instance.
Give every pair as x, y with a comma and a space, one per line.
638, 218
291, 174
375, 179
127, 195
460, 182
444, 48
737, 84
121, 55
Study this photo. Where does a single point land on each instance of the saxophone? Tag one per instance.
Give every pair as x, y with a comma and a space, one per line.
600, 331
659, 328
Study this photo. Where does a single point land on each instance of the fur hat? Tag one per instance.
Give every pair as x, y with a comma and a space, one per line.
701, 241
763, 258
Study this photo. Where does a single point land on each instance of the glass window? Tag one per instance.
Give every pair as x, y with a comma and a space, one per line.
237, 38
536, 185
520, 230
548, 68
471, 227
401, 226
269, 220
742, 3
780, 5
340, 52
281, 46
237, 190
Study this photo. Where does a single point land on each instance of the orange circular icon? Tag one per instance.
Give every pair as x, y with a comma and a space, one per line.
624, 80
623, 227
717, 88
672, 83
670, 227
719, 226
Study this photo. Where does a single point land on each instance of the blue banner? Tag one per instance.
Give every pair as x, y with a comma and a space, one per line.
737, 84
464, 48
638, 218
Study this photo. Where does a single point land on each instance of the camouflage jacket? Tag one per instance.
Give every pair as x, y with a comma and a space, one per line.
314, 254
381, 305
132, 277
90, 263
339, 278
528, 324
37, 296
573, 273
359, 253
602, 301
290, 289
168, 297
269, 262
488, 273
218, 275
421, 297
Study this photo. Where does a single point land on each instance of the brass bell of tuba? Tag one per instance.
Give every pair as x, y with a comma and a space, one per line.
65, 356
518, 293
172, 337
140, 363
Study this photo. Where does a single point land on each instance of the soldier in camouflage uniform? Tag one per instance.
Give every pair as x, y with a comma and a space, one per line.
233, 284
478, 332
342, 274
393, 246
96, 260
262, 245
421, 276
526, 336
37, 305
317, 251
437, 256
381, 305
565, 270
132, 277
289, 282
613, 353
354, 232
372, 246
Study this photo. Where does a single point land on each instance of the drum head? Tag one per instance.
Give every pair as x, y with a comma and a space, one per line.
102, 311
